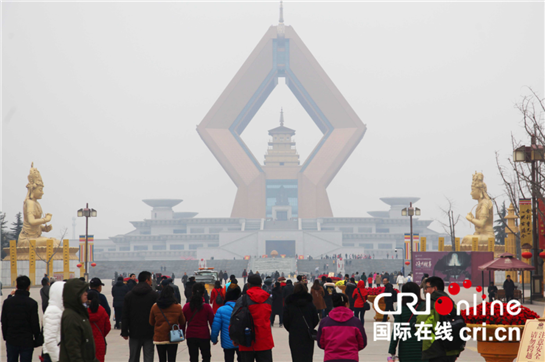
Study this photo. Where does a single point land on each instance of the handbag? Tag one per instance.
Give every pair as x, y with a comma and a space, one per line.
105, 343
312, 333
366, 305
176, 334
39, 340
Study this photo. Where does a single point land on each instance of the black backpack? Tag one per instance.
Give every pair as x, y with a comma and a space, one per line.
240, 321
457, 323
219, 299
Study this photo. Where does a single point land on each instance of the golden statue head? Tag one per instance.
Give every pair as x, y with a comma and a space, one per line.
478, 187
35, 184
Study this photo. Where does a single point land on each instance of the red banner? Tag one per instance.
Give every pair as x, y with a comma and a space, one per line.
541, 223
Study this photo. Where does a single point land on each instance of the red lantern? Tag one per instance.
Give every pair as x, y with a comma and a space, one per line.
93, 264
79, 265
542, 255
407, 262
526, 255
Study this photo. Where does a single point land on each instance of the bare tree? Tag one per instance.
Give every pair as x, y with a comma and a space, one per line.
449, 228
49, 260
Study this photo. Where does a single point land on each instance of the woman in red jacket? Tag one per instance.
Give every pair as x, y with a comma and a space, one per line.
199, 317
217, 296
100, 322
360, 299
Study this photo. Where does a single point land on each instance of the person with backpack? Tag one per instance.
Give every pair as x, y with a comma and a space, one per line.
250, 325
199, 316
436, 350
221, 324
410, 349
341, 335
277, 304
100, 323
217, 296
329, 291
164, 315
300, 319
359, 296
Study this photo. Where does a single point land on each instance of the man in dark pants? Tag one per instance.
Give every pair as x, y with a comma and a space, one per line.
135, 322
388, 288
20, 323
509, 288
119, 290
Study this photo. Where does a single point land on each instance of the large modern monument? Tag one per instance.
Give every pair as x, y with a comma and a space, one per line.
281, 53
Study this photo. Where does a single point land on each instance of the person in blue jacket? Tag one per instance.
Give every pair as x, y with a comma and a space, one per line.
221, 323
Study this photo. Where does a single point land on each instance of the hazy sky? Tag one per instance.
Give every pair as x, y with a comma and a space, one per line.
104, 98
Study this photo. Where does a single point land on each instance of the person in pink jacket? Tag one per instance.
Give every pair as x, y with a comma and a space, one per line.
340, 334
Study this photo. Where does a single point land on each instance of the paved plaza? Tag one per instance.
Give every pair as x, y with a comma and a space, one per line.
118, 349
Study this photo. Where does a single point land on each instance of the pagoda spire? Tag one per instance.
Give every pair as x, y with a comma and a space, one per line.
281, 116
281, 19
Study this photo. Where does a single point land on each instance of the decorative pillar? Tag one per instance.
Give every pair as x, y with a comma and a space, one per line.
423, 243
511, 240
49, 257
491, 244
32, 261
441, 244
457, 244
474, 244
66, 258
13, 261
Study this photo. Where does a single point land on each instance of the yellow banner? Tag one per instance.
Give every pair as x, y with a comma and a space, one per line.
441, 244
66, 258
423, 243
491, 244
457, 244
32, 262
525, 221
13, 261
49, 257
474, 244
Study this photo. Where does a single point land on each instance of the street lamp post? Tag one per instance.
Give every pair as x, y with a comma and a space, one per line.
87, 213
410, 212
532, 154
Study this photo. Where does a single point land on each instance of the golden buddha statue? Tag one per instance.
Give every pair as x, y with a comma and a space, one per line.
484, 215
34, 222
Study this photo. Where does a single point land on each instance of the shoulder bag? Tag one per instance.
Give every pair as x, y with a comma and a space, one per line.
366, 305
312, 333
102, 334
176, 334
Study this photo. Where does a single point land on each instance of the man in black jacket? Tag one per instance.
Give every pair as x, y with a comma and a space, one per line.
188, 288
509, 288
97, 285
135, 322
389, 288
20, 323
119, 290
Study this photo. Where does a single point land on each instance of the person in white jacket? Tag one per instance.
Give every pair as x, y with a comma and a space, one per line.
400, 281
52, 323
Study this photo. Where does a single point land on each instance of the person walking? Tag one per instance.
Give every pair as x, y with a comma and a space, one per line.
492, 292
217, 296
77, 341
300, 319
135, 321
400, 280
44, 293
20, 323
225, 276
131, 283
221, 324
350, 287
317, 292
189, 287
432, 350
184, 279
340, 334
410, 348
97, 285
119, 291
360, 301
389, 288
509, 287
100, 323
199, 318
377, 280
287, 290
259, 305
164, 314
52, 323
329, 291
244, 275
277, 304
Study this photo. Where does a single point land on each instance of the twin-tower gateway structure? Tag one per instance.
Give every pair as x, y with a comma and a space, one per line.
281, 204
281, 54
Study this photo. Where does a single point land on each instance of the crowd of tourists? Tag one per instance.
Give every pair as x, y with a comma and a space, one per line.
150, 314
